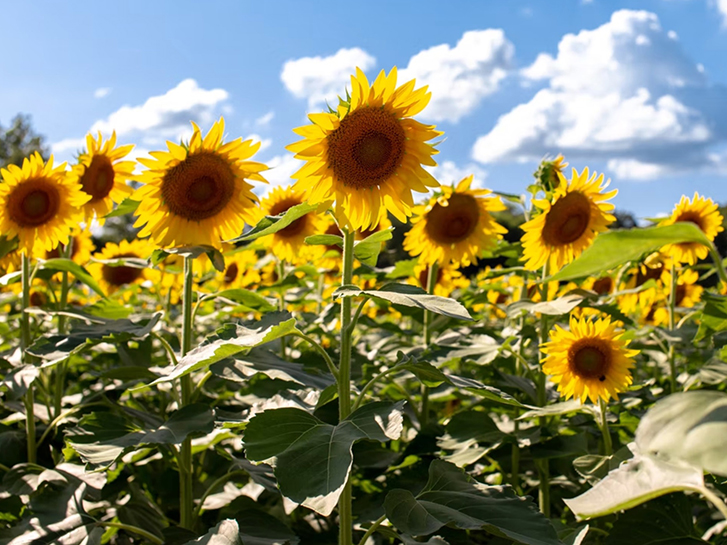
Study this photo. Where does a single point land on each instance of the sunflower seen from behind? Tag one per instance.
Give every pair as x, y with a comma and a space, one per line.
39, 204
590, 361
367, 155
568, 224
455, 226
102, 175
198, 194
702, 212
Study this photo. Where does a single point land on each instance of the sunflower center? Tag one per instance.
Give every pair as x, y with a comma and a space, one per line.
367, 148
455, 222
424, 277
603, 285
691, 217
650, 274
199, 187
56, 252
98, 180
38, 299
33, 202
590, 359
121, 274
681, 293
567, 220
231, 273
294, 228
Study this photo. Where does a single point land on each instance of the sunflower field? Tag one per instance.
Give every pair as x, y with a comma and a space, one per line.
367, 355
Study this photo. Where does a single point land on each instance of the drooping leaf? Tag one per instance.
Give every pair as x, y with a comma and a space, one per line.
367, 251
249, 299
471, 435
272, 224
325, 240
312, 459
61, 264
410, 296
556, 307
614, 248
452, 497
713, 318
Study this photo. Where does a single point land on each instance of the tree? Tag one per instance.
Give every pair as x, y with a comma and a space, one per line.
19, 141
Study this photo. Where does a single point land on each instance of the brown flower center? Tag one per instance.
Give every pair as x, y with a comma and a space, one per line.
603, 285
120, 275
231, 273
455, 222
424, 277
567, 219
98, 180
38, 299
56, 252
590, 358
199, 187
294, 228
367, 148
33, 202
691, 217
650, 274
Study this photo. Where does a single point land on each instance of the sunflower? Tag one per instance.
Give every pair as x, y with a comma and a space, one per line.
688, 294
81, 247
592, 360
455, 226
569, 223
367, 156
704, 214
109, 268
103, 175
197, 194
240, 271
39, 204
548, 170
449, 278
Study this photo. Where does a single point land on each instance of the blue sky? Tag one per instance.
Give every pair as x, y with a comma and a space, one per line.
637, 90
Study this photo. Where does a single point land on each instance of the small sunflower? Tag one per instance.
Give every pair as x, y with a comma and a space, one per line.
455, 226
592, 360
102, 175
449, 278
288, 244
569, 223
548, 170
198, 194
367, 156
688, 295
81, 247
39, 204
240, 271
704, 214
113, 276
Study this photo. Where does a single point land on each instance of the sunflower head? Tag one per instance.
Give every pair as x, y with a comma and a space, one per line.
197, 193
102, 175
704, 214
81, 247
113, 272
288, 244
455, 226
367, 155
548, 172
592, 360
568, 223
449, 278
39, 204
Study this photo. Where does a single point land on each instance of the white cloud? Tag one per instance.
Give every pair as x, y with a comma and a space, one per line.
722, 8
448, 172
625, 93
282, 167
67, 147
460, 77
264, 120
264, 142
322, 79
101, 92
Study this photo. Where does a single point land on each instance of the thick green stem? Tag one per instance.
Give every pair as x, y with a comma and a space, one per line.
672, 320
184, 458
432, 275
603, 424
344, 384
24, 344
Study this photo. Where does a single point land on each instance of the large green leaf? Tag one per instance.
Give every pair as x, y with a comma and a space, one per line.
247, 298
713, 318
241, 367
367, 251
451, 497
614, 248
687, 427
231, 340
272, 224
313, 459
227, 532
410, 296
471, 435
102, 438
62, 264
636, 481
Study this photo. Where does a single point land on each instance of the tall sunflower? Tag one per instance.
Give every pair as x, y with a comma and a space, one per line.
592, 360
704, 214
454, 226
102, 175
39, 204
288, 244
367, 156
568, 224
198, 193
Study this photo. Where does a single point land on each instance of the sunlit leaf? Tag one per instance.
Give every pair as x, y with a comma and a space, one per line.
272, 224
62, 264
367, 251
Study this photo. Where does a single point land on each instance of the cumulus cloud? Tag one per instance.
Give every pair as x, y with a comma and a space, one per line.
101, 92
722, 8
282, 167
460, 77
625, 92
322, 79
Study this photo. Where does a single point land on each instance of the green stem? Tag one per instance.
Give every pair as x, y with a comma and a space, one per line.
714, 499
281, 305
543, 465
344, 384
431, 283
374, 526
222, 480
603, 424
719, 265
672, 320
133, 529
184, 458
322, 351
24, 344
370, 384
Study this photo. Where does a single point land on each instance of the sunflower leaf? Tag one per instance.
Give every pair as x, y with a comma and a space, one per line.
127, 206
325, 240
614, 248
66, 265
367, 251
272, 224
